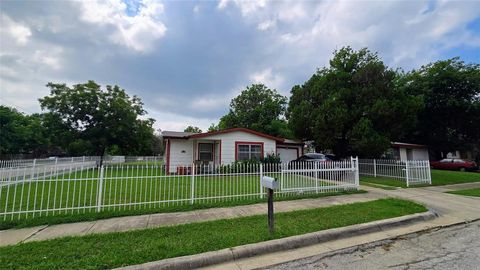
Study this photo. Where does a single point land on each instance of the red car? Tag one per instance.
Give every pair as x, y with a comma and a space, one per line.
454, 164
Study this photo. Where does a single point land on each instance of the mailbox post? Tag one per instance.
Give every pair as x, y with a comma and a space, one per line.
270, 184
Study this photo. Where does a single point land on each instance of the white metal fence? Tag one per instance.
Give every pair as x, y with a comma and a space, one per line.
120, 187
413, 172
34, 168
22, 163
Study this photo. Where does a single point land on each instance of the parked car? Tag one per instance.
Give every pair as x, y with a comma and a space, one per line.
454, 164
312, 157
308, 161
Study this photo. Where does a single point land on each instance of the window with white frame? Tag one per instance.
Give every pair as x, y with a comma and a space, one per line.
205, 151
249, 151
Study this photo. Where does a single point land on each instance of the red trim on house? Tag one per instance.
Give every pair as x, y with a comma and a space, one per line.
237, 143
168, 155
201, 135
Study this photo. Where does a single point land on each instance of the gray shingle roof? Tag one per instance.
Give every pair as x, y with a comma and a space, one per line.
177, 134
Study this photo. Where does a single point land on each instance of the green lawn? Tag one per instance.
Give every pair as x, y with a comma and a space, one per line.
475, 192
383, 181
371, 184
105, 251
136, 190
439, 178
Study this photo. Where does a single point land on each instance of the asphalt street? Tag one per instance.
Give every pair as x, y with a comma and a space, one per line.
448, 248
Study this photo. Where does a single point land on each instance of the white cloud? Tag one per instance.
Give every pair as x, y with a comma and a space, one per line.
138, 32
406, 33
196, 9
293, 12
267, 24
178, 122
268, 78
211, 103
19, 33
50, 58
246, 6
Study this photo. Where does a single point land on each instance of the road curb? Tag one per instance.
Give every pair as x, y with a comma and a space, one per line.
292, 242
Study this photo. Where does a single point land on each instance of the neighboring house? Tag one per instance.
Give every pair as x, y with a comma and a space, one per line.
224, 147
468, 155
408, 151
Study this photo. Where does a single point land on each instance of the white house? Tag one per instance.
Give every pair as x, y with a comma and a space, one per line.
224, 147
409, 151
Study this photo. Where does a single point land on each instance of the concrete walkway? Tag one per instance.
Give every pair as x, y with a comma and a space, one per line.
15, 236
452, 209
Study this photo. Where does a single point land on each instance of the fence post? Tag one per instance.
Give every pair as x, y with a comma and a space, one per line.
100, 190
406, 172
374, 168
429, 173
357, 173
281, 176
33, 169
260, 182
192, 185
83, 159
316, 177
355, 169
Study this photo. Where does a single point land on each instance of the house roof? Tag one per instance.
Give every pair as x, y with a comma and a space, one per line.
177, 134
229, 130
188, 135
288, 141
408, 145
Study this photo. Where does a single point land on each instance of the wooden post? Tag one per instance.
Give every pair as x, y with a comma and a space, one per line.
271, 226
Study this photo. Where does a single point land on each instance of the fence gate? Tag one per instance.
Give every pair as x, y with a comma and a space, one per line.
412, 172
418, 172
317, 177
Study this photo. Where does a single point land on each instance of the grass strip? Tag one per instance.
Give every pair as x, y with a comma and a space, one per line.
105, 251
79, 217
475, 192
368, 184
384, 181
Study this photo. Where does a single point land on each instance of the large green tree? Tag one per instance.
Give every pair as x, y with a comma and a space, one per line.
352, 107
192, 129
258, 108
450, 117
99, 121
19, 133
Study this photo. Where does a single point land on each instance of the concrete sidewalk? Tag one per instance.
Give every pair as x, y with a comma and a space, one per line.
15, 236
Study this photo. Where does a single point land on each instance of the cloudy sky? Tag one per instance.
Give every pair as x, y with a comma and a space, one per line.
187, 59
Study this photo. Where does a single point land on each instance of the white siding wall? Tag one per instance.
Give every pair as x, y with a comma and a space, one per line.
417, 154
403, 153
181, 152
229, 139
420, 154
